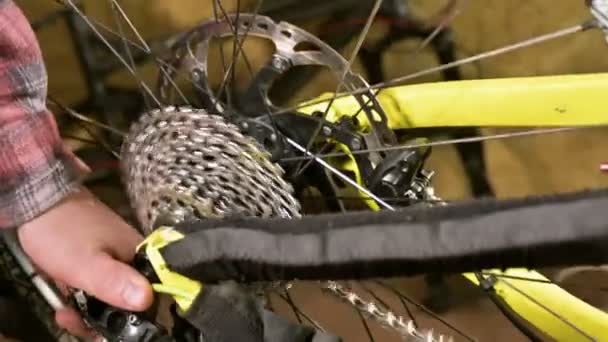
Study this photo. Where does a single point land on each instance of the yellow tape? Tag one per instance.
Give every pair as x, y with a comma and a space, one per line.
184, 290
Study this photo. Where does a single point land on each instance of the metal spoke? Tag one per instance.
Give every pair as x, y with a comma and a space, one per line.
365, 325
454, 9
145, 48
493, 53
346, 70
368, 331
117, 10
423, 308
125, 17
544, 307
100, 140
524, 133
86, 119
237, 49
75, 8
302, 313
292, 304
340, 174
452, 14
506, 276
80, 139
216, 7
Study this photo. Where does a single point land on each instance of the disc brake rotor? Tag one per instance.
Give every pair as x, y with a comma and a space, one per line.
293, 47
180, 163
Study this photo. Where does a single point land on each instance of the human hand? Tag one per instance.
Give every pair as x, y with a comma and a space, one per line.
83, 244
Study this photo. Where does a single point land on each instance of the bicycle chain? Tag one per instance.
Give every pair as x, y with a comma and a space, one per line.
406, 328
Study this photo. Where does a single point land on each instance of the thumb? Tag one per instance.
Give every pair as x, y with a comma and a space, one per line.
114, 282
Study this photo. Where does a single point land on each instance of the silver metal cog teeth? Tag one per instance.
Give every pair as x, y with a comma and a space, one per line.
184, 163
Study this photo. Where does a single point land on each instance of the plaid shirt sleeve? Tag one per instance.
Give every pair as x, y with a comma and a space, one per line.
36, 169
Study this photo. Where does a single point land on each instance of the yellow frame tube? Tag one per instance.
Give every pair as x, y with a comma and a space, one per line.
569, 308
570, 100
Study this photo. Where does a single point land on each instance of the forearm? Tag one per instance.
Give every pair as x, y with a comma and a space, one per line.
36, 169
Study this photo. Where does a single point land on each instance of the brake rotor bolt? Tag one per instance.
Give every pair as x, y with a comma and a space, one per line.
133, 320
279, 63
326, 130
196, 75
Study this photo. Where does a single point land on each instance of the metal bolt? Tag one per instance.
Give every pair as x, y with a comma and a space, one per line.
428, 174
196, 75
355, 144
273, 137
133, 320
279, 63
326, 130
244, 125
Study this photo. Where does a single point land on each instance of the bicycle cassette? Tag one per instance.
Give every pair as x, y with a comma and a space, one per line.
183, 164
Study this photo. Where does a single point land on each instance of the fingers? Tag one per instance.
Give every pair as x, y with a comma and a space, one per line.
69, 320
113, 282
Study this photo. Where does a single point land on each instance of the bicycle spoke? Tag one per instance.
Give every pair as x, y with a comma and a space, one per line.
544, 307
235, 42
86, 119
125, 17
524, 133
80, 139
452, 9
493, 53
507, 276
100, 140
347, 69
400, 294
163, 66
300, 312
229, 72
363, 319
85, 18
340, 174
116, 11
216, 8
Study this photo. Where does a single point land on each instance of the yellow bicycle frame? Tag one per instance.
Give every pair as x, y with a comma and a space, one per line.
571, 100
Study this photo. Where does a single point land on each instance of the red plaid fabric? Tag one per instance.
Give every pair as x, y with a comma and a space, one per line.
36, 169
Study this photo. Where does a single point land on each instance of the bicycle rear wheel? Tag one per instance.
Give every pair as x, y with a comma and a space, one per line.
228, 96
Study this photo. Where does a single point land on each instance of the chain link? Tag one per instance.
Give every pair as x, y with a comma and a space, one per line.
406, 328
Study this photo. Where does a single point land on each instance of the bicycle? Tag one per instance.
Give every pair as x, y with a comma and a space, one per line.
361, 129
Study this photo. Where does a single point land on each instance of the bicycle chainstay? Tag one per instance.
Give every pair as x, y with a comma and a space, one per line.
183, 164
